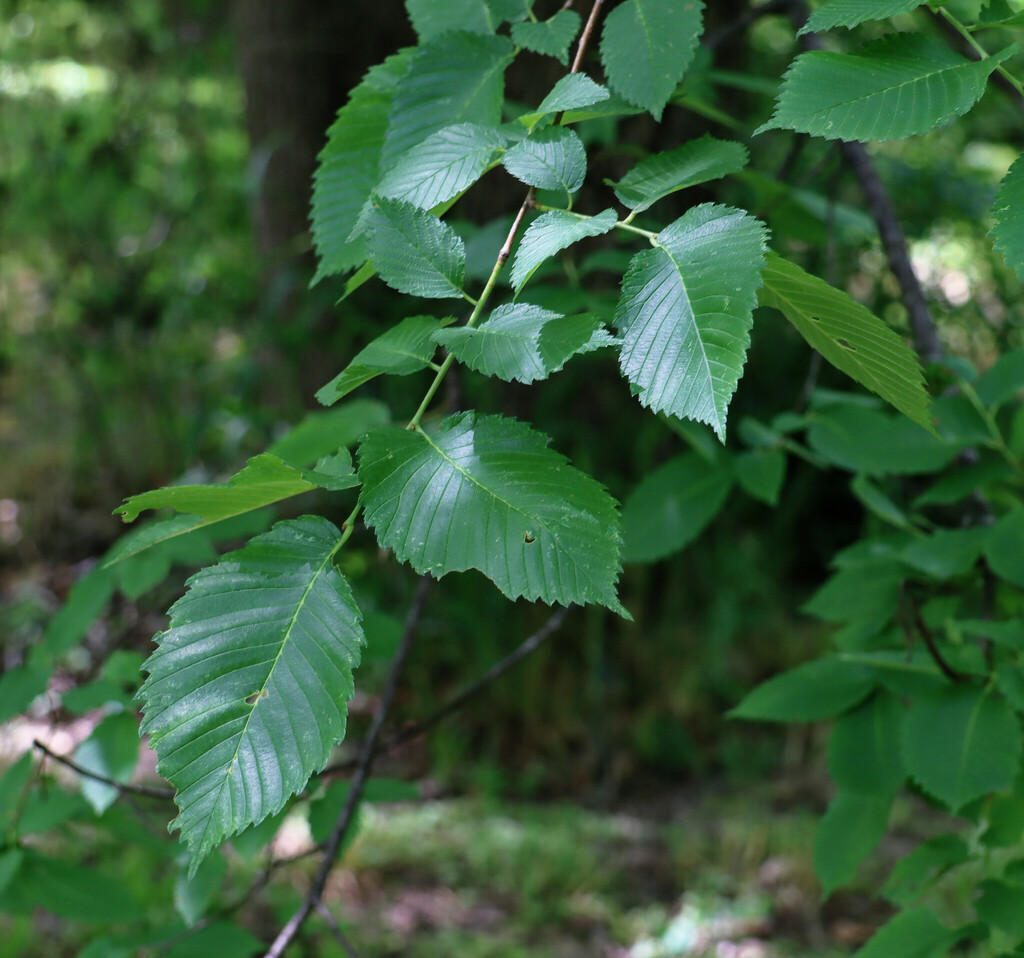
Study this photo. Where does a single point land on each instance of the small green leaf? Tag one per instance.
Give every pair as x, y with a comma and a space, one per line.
247, 690
848, 335
415, 252
853, 825
1005, 379
552, 37
572, 92
1007, 233
686, 310
1006, 547
323, 433
946, 552
443, 165
672, 506
862, 590
21, 684
431, 17
86, 600
1005, 822
960, 744
112, 750
810, 692
221, 939
1001, 904
647, 47
850, 13
916, 933
931, 859
864, 754
761, 473
454, 77
486, 493
551, 159
552, 232
692, 163
407, 348
898, 86
192, 896
523, 342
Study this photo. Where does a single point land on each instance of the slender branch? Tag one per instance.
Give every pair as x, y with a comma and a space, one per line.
619, 225
149, 791
339, 935
1003, 76
367, 753
907, 598
581, 47
453, 705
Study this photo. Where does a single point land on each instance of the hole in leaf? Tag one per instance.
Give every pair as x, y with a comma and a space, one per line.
255, 697
529, 537
815, 319
846, 344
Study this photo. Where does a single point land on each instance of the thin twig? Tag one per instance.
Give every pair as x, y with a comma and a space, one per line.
149, 791
453, 705
581, 47
367, 753
339, 935
906, 599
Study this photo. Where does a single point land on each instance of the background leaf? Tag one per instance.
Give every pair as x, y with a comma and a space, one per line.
685, 313
247, 690
552, 37
647, 47
551, 159
552, 232
112, 750
485, 492
848, 335
897, 86
864, 752
1005, 549
853, 825
415, 252
662, 174
849, 13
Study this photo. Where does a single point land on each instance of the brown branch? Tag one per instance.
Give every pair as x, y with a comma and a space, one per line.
149, 791
906, 598
367, 753
336, 930
581, 47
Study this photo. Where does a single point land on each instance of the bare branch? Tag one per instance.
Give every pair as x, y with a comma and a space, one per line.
149, 791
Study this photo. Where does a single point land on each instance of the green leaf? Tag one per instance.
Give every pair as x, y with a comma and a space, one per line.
86, 600
552, 37
647, 47
815, 690
552, 232
848, 335
877, 502
686, 311
323, 433
415, 252
14, 780
347, 169
192, 896
916, 933
572, 92
960, 744
868, 440
927, 862
112, 750
1004, 380
443, 165
406, 348
524, 343
264, 480
21, 684
898, 86
853, 825
672, 505
1005, 822
864, 752
850, 13
455, 77
1001, 904
431, 17
247, 690
761, 473
485, 492
1006, 547
613, 106
864, 590
1007, 232
551, 159
221, 939
946, 552
692, 163
10, 862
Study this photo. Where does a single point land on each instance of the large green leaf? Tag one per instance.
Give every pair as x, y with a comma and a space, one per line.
672, 505
686, 311
849, 13
898, 86
348, 164
552, 159
407, 348
414, 251
864, 754
915, 933
853, 825
431, 17
552, 232
1008, 212
810, 692
486, 493
647, 47
552, 37
523, 342
688, 165
848, 335
454, 77
961, 743
572, 92
443, 165
247, 689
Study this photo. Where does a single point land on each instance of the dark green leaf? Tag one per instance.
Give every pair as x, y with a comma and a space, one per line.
898, 86
431, 17
647, 47
1001, 904
415, 252
1005, 379
760, 473
321, 434
551, 159
248, 688
1005, 818
946, 552
853, 825
864, 751
672, 505
21, 684
916, 933
221, 939
192, 896
86, 600
572, 92
485, 492
552, 37
810, 692
960, 744
692, 163
849, 13
1005, 550
404, 349
685, 313
1007, 233
864, 590
552, 232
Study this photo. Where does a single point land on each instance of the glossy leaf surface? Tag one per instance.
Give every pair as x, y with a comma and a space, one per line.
573, 92
552, 159
549, 234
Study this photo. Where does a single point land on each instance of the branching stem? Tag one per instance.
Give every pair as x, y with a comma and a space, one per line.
952, 20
